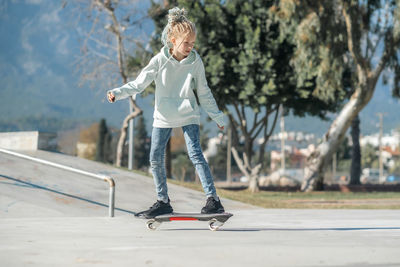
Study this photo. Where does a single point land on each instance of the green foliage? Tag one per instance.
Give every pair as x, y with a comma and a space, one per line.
369, 157
340, 44
344, 166
247, 58
394, 62
320, 37
248, 62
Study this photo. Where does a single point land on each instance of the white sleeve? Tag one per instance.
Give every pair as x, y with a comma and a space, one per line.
146, 76
206, 98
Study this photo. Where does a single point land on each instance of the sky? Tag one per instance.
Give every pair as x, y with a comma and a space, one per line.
33, 33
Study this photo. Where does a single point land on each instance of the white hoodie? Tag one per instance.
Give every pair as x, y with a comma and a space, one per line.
175, 101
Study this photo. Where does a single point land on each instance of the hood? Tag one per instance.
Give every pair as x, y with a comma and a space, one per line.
190, 59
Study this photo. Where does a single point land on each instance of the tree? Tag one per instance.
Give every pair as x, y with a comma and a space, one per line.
369, 157
247, 62
331, 35
105, 47
141, 145
103, 142
355, 171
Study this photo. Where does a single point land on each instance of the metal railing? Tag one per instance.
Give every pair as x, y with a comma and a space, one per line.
97, 176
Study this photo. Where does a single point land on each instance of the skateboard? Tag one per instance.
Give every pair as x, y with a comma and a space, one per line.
215, 220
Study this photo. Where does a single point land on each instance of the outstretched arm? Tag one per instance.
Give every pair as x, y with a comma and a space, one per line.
146, 76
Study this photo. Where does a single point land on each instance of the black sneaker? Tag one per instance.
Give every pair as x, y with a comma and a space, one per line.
158, 208
212, 206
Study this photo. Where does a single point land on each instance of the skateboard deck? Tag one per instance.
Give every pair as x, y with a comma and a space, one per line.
215, 220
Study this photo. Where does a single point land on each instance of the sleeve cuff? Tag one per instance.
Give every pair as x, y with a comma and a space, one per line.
116, 92
220, 120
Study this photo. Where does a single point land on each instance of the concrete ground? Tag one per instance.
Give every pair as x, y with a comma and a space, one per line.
49, 217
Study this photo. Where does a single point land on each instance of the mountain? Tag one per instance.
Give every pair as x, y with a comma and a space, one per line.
39, 78
38, 54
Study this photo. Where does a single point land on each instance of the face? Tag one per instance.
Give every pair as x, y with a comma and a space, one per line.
183, 44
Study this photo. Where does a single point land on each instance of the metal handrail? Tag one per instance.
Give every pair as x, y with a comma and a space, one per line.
97, 176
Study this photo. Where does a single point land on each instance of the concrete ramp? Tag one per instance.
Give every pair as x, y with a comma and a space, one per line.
30, 189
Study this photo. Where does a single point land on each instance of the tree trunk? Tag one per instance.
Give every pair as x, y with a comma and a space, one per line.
137, 111
183, 174
266, 137
355, 171
235, 134
248, 148
253, 184
251, 173
314, 170
366, 82
261, 157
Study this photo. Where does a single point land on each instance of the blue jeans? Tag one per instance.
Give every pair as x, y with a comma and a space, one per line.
159, 139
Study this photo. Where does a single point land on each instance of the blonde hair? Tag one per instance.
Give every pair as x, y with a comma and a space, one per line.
177, 25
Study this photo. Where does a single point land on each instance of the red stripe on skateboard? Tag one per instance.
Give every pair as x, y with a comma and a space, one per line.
182, 219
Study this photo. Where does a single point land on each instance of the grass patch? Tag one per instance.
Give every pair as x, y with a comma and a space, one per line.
312, 200
300, 200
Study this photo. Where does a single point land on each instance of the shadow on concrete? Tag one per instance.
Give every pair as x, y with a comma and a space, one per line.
313, 229
28, 184
284, 229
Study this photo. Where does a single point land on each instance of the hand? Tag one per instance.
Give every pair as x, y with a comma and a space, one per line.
111, 97
220, 127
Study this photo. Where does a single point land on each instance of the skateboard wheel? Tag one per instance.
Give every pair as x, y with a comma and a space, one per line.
152, 224
214, 224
